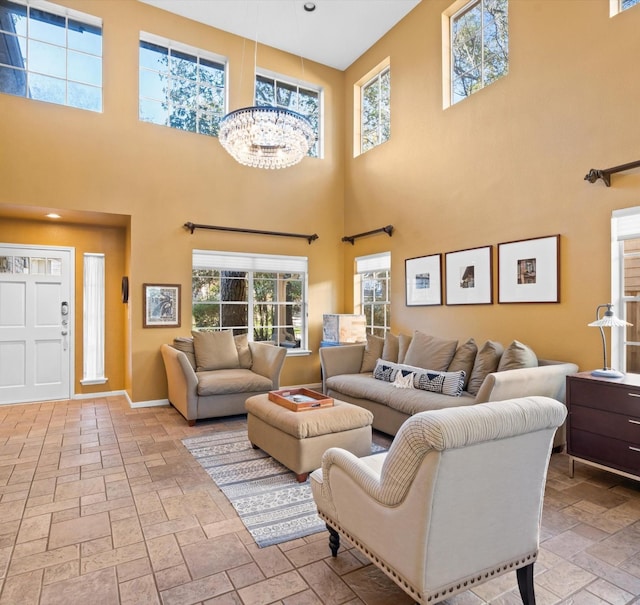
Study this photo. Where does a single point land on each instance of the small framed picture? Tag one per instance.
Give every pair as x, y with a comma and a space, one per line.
161, 304
469, 276
529, 270
423, 280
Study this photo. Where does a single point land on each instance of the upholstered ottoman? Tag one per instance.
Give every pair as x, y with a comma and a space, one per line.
298, 439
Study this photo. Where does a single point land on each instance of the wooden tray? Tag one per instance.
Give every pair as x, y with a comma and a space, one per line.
300, 400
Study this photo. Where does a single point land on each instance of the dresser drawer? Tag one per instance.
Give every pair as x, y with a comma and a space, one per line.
604, 450
618, 426
617, 398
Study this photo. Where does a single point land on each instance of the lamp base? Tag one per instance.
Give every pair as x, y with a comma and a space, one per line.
607, 373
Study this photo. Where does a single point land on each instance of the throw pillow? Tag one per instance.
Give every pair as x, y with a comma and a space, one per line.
404, 340
403, 380
215, 350
391, 347
244, 352
426, 351
186, 346
486, 362
464, 358
447, 383
516, 356
385, 370
372, 352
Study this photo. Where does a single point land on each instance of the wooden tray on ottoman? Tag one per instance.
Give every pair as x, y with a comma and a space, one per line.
300, 400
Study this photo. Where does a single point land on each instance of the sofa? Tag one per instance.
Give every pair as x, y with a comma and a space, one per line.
401, 375
212, 374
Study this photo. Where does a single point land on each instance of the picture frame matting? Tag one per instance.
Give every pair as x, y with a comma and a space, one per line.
161, 305
423, 280
469, 276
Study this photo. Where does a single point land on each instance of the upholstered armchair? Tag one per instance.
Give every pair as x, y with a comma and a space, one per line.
456, 501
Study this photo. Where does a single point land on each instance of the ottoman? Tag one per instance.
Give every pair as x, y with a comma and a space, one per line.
298, 439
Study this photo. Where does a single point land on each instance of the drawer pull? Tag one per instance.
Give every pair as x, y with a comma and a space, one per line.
633, 394
635, 449
634, 421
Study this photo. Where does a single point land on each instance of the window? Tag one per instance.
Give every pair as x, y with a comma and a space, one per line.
617, 6
180, 86
374, 121
478, 37
373, 275
264, 296
271, 91
51, 54
93, 320
625, 252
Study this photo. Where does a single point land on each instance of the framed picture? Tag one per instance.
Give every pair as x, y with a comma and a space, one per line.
529, 270
161, 305
423, 280
468, 276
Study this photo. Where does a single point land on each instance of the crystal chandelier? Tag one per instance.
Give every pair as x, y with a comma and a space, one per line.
266, 137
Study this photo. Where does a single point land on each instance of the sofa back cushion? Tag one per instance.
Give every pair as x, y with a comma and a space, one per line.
447, 383
186, 346
464, 359
244, 352
426, 351
516, 356
215, 350
372, 352
404, 340
391, 347
486, 361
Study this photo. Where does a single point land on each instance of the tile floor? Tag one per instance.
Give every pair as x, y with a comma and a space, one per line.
101, 504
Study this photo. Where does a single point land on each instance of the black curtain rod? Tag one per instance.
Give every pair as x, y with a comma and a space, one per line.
594, 174
193, 226
351, 238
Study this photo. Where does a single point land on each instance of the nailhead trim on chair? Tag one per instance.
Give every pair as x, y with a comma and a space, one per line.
442, 593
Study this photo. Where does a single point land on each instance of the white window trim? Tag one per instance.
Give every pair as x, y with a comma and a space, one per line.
367, 264
357, 104
93, 319
615, 7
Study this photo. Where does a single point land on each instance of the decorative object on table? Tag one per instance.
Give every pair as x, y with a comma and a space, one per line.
161, 305
608, 320
300, 399
529, 270
468, 276
423, 277
343, 328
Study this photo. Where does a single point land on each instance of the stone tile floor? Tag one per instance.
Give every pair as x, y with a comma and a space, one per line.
101, 504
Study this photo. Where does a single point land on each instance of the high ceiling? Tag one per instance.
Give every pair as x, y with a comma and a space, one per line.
336, 33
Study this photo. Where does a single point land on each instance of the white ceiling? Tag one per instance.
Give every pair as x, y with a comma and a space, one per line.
336, 33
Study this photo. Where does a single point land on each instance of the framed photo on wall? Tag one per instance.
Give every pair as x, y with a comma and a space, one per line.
423, 280
529, 270
469, 276
161, 303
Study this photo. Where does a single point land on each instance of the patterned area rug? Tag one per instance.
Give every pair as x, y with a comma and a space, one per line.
273, 506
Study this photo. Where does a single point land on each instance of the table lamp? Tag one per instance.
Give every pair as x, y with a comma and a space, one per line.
608, 320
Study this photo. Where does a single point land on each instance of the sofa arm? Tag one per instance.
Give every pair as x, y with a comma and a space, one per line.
546, 380
267, 360
346, 359
182, 382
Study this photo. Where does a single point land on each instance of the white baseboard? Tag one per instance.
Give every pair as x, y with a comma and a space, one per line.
138, 404
152, 403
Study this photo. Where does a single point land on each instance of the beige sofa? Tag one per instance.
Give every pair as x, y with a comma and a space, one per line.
491, 373
212, 374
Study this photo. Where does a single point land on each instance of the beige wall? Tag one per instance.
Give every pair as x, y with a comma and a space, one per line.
506, 164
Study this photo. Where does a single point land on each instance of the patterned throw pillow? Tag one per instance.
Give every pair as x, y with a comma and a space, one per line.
404, 380
447, 383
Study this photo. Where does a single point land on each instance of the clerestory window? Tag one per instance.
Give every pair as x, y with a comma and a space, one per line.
374, 108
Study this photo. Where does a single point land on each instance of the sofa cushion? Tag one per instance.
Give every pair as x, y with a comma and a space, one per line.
186, 346
215, 350
404, 340
372, 352
244, 352
391, 347
486, 361
237, 380
448, 383
464, 359
426, 351
517, 356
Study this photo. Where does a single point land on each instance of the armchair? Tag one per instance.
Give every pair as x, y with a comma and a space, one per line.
456, 501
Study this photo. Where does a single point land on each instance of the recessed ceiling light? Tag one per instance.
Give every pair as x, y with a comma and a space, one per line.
309, 6
53, 215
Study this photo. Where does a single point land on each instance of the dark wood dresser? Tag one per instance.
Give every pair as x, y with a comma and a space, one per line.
603, 425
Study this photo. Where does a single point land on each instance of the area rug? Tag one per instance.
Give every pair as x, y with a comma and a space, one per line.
273, 506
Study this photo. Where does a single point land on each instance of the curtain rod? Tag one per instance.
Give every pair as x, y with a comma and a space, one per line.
351, 238
193, 226
594, 174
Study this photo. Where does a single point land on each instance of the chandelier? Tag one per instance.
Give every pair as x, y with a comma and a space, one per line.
266, 137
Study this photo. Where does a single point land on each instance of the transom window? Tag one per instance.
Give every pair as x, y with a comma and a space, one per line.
51, 54
617, 6
373, 277
180, 86
479, 42
264, 296
271, 91
375, 108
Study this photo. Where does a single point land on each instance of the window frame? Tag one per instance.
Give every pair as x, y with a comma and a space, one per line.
617, 6
31, 39
298, 84
174, 47
252, 264
374, 75
373, 263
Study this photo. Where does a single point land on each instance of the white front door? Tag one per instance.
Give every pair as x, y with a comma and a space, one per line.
36, 319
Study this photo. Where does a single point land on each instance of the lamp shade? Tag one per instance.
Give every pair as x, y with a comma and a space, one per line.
608, 320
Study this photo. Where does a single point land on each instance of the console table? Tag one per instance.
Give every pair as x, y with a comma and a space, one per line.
603, 425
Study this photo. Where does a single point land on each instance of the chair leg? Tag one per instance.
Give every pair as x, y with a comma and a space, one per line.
525, 584
334, 541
